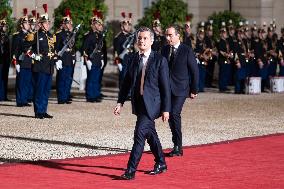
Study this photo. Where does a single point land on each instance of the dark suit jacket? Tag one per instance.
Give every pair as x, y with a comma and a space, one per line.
157, 97
184, 73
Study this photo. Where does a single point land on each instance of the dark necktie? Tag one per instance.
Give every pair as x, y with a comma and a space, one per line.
139, 74
172, 56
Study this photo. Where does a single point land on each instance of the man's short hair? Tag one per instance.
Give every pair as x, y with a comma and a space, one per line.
176, 27
144, 29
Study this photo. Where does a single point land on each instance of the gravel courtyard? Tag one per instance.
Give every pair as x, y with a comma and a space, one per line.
90, 129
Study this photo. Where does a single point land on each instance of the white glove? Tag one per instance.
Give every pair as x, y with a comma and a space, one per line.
37, 57
21, 57
58, 65
89, 65
119, 67
73, 62
103, 63
17, 66
33, 56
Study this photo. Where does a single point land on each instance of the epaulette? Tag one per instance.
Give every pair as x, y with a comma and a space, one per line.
58, 31
15, 33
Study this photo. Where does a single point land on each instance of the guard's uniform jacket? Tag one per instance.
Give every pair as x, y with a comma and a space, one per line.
62, 37
199, 50
46, 50
280, 52
210, 43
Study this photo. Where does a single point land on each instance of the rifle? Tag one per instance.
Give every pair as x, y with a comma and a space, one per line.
70, 42
126, 45
99, 45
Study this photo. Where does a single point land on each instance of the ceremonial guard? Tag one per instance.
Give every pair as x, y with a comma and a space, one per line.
250, 64
123, 45
232, 42
280, 50
271, 41
202, 54
240, 62
43, 66
259, 46
22, 50
4, 57
211, 45
188, 37
159, 38
64, 47
93, 56
224, 60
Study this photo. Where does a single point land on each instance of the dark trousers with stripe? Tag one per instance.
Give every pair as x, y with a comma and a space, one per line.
202, 76
63, 83
175, 119
42, 88
24, 86
144, 129
93, 85
225, 71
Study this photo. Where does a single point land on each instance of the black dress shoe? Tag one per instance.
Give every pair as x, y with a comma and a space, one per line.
128, 175
39, 116
27, 104
158, 169
92, 100
7, 100
177, 151
68, 102
61, 102
20, 105
46, 115
98, 100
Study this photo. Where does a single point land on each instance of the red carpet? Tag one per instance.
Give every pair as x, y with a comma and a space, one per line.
252, 163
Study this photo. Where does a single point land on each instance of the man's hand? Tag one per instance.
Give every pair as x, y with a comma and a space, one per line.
117, 109
192, 96
89, 65
165, 116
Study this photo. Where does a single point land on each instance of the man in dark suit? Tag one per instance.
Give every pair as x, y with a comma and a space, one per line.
148, 78
184, 78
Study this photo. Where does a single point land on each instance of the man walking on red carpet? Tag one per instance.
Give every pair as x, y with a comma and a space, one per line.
184, 77
148, 78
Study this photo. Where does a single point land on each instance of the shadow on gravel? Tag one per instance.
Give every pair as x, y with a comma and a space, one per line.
73, 144
16, 115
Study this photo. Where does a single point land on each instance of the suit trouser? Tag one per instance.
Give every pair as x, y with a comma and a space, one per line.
144, 129
93, 86
2, 90
23, 84
64, 78
41, 91
175, 119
